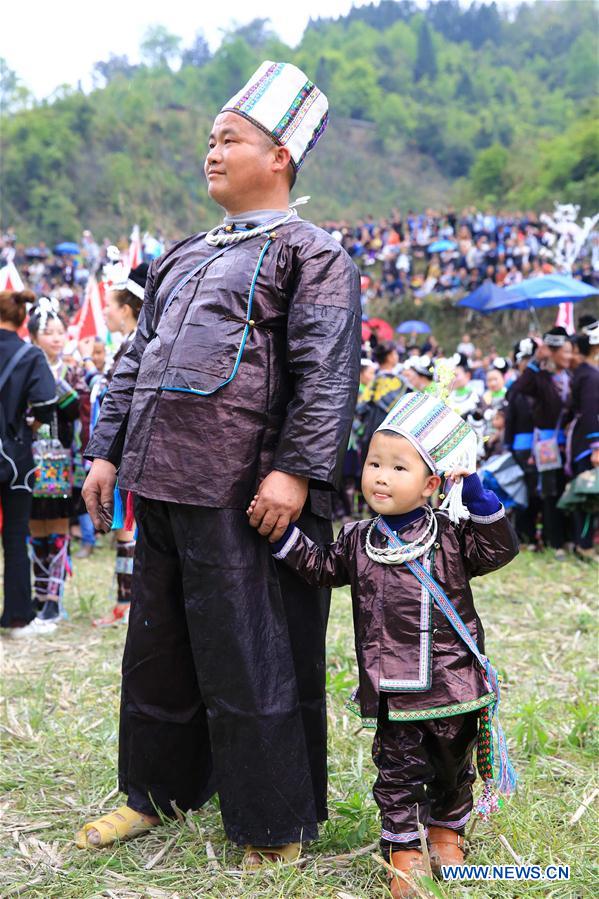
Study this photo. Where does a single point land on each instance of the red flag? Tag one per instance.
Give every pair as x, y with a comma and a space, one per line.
10, 279
135, 251
565, 317
89, 320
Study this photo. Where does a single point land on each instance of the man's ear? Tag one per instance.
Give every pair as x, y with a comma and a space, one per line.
432, 483
282, 158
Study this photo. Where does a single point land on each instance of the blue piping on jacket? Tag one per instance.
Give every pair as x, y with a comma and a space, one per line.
244, 336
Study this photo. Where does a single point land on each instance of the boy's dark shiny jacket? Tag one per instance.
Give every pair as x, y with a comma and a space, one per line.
291, 404
402, 636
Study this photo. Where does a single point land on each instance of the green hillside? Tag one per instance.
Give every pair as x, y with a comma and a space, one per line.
450, 104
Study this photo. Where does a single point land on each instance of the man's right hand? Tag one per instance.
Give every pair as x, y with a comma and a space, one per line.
98, 493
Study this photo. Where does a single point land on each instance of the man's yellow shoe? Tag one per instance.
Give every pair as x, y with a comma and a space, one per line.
122, 824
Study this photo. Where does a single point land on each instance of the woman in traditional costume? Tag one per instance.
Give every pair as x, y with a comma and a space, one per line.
49, 524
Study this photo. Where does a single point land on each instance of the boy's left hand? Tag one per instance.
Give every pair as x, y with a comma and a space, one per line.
456, 474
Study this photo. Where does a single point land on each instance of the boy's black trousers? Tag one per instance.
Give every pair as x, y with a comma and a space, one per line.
425, 775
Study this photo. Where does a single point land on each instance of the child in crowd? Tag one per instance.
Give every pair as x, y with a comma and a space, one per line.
420, 684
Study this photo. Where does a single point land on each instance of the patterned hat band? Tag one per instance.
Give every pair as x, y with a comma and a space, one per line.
555, 340
400, 432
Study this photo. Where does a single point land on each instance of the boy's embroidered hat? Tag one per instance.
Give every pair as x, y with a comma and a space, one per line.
440, 435
282, 101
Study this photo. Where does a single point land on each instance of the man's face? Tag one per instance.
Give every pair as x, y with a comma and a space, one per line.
239, 161
562, 356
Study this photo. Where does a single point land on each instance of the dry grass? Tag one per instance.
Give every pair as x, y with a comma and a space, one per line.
59, 743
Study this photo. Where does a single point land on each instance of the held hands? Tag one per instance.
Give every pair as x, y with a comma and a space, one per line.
278, 503
98, 493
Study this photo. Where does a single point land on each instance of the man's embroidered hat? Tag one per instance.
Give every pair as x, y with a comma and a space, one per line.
440, 435
281, 101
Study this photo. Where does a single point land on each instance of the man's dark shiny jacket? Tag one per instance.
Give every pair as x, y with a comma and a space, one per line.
290, 405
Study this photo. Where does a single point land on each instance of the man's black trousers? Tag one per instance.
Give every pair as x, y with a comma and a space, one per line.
224, 676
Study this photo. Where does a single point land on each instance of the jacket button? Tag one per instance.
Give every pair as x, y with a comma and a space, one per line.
437, 546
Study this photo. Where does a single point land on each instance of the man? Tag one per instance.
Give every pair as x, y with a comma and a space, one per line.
243, 374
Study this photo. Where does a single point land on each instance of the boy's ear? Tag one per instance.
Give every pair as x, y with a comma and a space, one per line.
432, 483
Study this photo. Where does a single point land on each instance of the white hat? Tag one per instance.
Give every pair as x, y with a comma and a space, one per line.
592, 332
440, 435
280, 100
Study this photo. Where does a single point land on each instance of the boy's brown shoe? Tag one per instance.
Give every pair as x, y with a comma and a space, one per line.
409, 862
446, 847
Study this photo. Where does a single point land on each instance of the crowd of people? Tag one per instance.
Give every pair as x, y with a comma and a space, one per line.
452, 253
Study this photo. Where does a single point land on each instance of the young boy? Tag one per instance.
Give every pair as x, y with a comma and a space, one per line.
419, 684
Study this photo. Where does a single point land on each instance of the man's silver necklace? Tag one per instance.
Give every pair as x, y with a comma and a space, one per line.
223, 235
395, 555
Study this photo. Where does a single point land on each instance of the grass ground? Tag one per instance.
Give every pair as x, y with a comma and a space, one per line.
59, 743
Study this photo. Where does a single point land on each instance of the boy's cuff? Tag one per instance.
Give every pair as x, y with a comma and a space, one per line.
478, 501
281, 547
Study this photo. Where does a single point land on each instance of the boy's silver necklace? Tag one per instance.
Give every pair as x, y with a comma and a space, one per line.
395, 555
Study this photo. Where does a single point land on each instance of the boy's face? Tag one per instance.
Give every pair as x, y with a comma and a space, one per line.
99, 355
396, 479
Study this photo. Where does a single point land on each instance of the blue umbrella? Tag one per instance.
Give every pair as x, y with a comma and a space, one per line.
66, 249
413, 327
549, 290
485, 298
439, 246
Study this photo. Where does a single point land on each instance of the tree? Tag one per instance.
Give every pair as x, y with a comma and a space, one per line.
198, 54
13, 94
256, 33
159, 48
581, 66
489, 173
426, 60
111, 68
